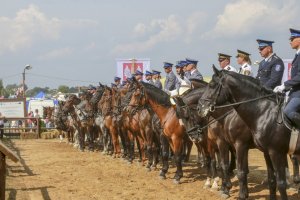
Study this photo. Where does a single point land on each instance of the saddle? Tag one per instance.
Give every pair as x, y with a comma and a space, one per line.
282, 118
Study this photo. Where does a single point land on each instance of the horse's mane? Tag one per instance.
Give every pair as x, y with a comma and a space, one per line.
157, 94
249, 82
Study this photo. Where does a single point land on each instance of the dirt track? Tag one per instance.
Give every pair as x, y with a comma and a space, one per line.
53, 170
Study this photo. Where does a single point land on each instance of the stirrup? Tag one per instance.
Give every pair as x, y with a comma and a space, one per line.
293, 140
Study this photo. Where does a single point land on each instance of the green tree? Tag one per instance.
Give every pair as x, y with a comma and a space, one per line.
11, 89
63, 89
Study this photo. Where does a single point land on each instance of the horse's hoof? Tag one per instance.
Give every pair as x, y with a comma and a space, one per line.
162, 177
177, 182
296, 179
206, 187
224, 196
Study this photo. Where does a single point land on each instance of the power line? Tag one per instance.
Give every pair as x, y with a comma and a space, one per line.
9, 76
60, 78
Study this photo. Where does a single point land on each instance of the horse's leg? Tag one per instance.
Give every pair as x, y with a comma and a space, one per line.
242, 168
156, 150
271, 177
177, 143
189, 146
139, 148
295, 162
81, 139
279, 163
131, 146
224, 154
211, 165
149, 136
115, 140
165, 156
232, 165
90, 137
142, 147
123, 140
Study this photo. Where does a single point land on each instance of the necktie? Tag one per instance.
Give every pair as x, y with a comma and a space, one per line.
295, 57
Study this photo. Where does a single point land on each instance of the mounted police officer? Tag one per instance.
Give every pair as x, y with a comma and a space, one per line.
138, 75
170, 82
292, 109
182, 83
243, 59
192, 71
270, 69
156, 78
224, 61
148, 77
117, 81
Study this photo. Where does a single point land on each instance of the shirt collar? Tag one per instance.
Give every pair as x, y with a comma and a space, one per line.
268, 58
244, 65
193, 71
298, 52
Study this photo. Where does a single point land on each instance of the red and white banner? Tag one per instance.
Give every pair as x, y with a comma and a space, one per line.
287, 69
126, 67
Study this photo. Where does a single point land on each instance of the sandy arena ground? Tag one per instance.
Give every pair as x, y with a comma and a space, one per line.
53, 170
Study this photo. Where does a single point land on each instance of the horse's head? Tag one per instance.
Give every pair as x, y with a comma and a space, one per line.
135, 96
104, 105
71, 101
215, 94
186, 110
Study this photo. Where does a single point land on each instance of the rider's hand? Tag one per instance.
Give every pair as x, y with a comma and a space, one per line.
279, 89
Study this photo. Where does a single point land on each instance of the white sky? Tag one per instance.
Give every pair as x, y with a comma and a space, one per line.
80, 39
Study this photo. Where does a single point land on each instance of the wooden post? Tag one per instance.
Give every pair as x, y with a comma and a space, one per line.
2, 175
38, 127
4, 151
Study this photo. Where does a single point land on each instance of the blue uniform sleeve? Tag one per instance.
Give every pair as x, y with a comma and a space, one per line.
295, 81
276, 75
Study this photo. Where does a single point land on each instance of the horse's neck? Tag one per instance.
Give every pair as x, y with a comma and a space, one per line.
161, 110
252, 112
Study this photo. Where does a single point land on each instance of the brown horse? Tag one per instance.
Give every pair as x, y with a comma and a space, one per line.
76, 108
62, 122
106, 107
142, 94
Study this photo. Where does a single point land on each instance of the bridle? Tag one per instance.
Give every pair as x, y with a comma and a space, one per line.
213, 107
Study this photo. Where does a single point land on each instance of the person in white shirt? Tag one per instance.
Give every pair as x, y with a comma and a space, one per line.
243, 59
224, 61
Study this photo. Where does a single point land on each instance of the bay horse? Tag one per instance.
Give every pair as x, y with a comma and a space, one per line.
220, 138
63, 123
142, 94
258, 107
111, 132
81, 119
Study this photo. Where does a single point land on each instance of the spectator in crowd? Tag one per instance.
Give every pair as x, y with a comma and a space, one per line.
30, 121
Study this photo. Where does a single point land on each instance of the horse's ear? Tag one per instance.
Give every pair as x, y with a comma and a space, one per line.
216, 71
134, 79
100, 84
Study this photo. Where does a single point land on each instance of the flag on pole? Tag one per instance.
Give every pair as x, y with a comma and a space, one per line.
126, 67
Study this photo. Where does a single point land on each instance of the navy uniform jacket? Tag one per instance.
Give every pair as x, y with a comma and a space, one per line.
158, 84
270, 72
170, 81
195, 75
150, 82
294, 83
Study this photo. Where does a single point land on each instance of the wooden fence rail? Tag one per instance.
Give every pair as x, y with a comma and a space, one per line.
5, 152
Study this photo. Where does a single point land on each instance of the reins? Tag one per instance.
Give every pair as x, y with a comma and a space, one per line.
200, 129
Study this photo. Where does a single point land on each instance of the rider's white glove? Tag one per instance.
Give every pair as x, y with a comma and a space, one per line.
279, 89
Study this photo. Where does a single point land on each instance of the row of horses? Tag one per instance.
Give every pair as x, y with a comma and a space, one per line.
226, 117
